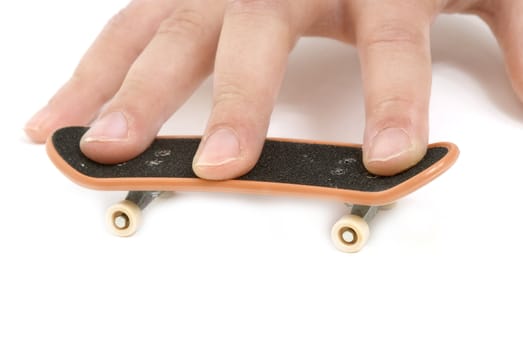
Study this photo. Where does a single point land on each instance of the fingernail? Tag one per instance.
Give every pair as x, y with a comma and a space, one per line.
33, 127
219, 148
108, 128
37, 118
389, 144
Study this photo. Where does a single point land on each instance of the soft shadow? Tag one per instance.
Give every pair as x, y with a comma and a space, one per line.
321, 97
466, 43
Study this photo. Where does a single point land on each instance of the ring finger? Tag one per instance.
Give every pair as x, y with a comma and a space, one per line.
393, 43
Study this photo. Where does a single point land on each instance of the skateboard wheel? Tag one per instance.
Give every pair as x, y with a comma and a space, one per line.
350, 233
124, 218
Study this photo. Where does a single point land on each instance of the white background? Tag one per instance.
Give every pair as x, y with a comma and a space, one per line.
442, 270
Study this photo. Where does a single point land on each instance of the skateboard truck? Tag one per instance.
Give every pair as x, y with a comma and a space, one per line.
349, 234
125, 217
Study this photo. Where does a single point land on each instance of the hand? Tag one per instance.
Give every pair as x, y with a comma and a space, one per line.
153, 54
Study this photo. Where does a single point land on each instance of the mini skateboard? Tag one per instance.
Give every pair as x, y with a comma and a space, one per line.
286, 167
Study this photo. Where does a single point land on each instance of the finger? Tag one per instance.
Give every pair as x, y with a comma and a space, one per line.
255, 42
508, 28
393, 44
178, 58
101, 70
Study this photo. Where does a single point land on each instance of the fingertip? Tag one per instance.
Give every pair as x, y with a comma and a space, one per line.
396, 165
111, 127
34, 134
221, 156
110, 140
227, 171
223, 172
219, 148
112, 151
37, 128
392, 151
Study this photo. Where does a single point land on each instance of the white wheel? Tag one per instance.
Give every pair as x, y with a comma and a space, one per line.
350, 233
124, 218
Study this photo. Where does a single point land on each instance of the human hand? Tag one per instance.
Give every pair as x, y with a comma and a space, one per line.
152, 55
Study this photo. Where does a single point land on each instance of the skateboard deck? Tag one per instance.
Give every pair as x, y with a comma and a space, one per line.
286, 167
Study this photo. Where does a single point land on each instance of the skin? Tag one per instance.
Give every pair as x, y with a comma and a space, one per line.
152, 55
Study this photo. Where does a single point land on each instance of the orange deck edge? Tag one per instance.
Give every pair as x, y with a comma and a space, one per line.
257, 187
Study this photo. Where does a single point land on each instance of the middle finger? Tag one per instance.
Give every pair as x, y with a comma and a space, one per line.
163, 77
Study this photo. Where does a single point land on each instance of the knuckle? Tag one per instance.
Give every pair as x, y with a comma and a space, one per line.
386, 103
467, 5
82, 80
258, 7
135, 83
229, 92
183, 22
396, 34
117, 30
121, 21
394, 108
